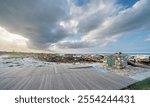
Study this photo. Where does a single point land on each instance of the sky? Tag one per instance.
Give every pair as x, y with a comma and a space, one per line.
75, 26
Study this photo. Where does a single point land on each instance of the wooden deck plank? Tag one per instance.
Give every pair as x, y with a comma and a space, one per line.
60, 77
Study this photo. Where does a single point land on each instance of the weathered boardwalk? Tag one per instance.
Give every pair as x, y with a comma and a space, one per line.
60, 77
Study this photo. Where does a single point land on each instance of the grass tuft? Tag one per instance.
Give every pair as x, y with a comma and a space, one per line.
141, 85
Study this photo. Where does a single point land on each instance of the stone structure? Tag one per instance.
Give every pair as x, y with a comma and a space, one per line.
117, 60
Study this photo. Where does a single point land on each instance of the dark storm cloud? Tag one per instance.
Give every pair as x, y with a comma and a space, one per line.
75, 45
37, 20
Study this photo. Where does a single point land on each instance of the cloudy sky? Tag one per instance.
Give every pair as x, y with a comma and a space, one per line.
75, 25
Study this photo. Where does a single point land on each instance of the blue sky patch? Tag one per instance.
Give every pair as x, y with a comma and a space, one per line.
81, 2
127, 3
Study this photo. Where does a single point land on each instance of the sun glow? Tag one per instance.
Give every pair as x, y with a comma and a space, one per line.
10, 41
10, 37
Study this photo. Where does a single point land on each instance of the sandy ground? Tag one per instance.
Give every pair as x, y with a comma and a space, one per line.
141, 76
130, 71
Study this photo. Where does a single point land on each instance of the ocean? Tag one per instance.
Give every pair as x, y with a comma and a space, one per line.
130, 54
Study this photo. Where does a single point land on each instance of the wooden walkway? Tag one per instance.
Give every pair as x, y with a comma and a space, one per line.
60, 77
